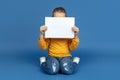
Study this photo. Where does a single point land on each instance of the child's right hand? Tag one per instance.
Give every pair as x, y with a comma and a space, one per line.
43, 29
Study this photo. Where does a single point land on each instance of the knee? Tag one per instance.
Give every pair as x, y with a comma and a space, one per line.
53, 69
69, 72
51, 66
66, 66
67, 69
51, 72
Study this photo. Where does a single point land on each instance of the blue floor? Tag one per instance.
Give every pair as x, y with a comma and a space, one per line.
96, 64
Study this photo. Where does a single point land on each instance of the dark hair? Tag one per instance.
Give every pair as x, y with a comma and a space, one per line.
61, 9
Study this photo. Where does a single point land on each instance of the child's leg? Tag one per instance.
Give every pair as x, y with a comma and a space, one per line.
67, 65
51, 65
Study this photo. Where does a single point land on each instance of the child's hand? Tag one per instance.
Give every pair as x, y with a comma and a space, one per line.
43, 29
76, 30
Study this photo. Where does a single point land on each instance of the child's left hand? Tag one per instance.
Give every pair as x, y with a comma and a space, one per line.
76, 30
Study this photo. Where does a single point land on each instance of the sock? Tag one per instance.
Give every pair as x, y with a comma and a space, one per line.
42, 59
76, 60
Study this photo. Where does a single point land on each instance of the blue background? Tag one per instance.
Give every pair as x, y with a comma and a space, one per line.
99, 50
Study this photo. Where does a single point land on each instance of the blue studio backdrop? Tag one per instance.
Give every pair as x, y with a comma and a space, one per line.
99, 49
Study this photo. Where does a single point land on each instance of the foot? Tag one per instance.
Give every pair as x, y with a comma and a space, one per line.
76, 60
42, 59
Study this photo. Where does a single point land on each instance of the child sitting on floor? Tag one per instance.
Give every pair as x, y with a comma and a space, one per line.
59, 58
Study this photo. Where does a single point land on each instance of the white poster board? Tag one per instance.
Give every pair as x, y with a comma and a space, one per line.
59, 27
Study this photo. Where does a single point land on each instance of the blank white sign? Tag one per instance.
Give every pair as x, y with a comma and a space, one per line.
59, 27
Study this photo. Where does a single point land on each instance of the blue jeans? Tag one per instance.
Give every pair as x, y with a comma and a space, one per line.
54, 65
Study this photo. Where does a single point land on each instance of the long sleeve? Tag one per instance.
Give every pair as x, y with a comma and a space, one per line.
73, 43
43, 43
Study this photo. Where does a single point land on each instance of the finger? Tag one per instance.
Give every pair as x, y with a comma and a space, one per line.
45, 29
72, 28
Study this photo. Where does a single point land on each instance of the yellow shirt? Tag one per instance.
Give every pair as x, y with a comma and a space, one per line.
58, 47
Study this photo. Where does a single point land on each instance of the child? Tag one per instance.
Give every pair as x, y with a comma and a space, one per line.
59, 58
